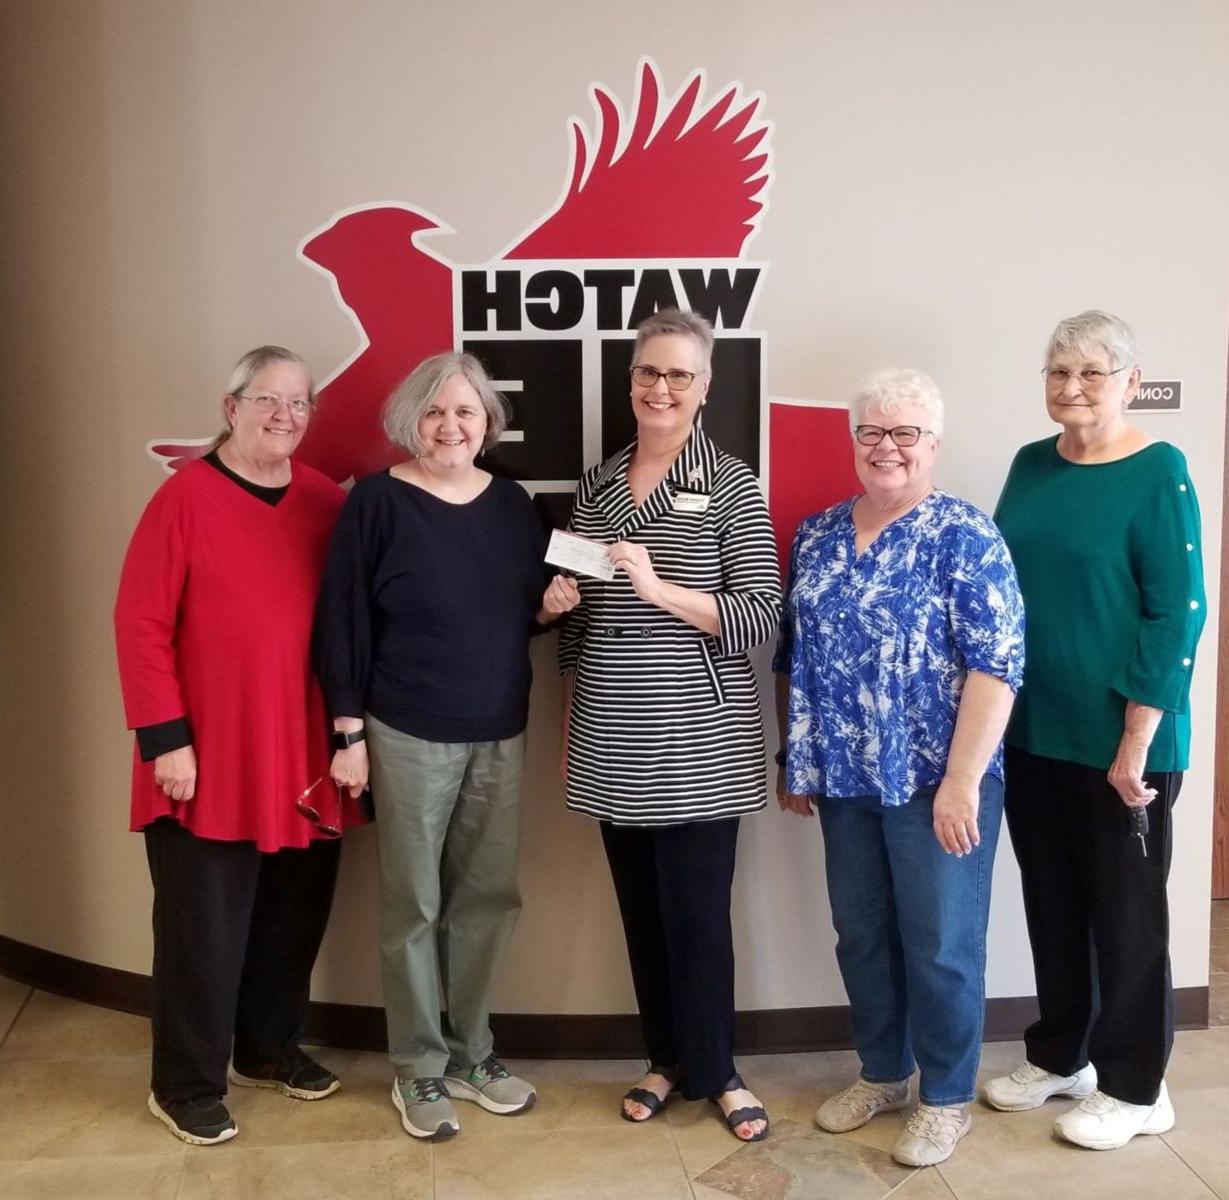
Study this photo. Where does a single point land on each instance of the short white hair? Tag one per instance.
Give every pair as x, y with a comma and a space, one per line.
1095, 332
896, 388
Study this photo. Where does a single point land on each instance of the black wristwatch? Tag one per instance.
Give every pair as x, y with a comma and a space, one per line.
779, 757
343, 739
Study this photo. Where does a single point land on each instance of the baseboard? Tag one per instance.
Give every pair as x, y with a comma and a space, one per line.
534, 1035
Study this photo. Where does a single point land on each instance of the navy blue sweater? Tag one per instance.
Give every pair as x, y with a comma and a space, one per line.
427, 607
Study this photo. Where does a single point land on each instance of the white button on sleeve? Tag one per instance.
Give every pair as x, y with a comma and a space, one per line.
1186, 662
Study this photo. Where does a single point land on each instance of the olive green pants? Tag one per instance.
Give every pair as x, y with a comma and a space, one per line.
448, 824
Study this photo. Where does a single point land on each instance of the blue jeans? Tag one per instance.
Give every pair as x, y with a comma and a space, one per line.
911, 938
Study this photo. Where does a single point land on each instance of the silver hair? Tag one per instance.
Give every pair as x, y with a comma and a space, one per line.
417, 392
671, 322
1095, 331
255, 361
896, 388
251, 365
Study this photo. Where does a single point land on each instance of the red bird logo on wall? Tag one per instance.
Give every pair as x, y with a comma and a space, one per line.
611, 251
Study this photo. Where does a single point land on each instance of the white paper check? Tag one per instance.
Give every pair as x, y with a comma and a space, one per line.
579, 554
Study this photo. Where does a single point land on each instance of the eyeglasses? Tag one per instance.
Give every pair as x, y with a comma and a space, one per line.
299, 406
901, 435
676, 381
1090, 378
330, 827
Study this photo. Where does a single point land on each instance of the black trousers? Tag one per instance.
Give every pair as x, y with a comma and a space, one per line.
236, 932
673, 886
1098, 921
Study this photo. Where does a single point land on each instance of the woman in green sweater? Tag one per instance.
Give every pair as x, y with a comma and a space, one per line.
1103, 525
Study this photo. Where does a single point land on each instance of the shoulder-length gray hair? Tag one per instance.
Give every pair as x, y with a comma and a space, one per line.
684, 324
1092, 332
896, 388
417, 392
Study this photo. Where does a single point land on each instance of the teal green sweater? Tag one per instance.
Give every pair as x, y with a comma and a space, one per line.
1109, 565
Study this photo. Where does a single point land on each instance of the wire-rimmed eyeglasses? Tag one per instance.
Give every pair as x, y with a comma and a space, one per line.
308, 808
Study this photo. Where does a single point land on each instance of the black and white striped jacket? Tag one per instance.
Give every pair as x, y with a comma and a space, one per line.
665, 724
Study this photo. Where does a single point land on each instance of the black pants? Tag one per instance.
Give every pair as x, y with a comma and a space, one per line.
673, 885
236, 933
1098, 921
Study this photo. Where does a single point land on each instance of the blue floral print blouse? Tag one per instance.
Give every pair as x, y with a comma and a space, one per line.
877, 645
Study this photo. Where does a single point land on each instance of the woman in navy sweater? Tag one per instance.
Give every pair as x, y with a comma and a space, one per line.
433, 586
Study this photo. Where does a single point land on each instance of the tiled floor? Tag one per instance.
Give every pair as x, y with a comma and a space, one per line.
1218, 979
74, 1082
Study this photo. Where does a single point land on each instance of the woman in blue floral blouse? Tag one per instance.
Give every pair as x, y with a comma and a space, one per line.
900, 652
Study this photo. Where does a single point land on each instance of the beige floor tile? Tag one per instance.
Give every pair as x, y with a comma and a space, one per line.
12, 997
1200, 1059
54, 1028
800, 1163
364, 1171
1016, 1156
927, 1185
152, 1177
597, 1164
700, 1134
74, 1110
1199, 1136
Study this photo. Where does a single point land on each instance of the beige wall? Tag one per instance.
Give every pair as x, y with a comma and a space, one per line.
951, 178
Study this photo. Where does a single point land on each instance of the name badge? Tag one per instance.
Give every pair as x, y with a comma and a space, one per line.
691, 502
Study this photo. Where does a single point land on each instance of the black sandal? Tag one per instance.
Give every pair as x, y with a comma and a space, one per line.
650, 1100
740, 1115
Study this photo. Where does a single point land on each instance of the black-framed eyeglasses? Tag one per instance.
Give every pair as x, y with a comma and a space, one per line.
1090, 378
309, 807
299, 406
676, 381
901, 435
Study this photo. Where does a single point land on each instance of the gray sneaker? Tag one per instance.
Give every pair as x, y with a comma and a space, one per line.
491, 1085
426, 1112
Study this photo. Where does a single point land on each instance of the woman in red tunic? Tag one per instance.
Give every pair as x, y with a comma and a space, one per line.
213, 623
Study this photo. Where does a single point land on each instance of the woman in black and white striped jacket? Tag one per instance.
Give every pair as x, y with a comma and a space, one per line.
662, 729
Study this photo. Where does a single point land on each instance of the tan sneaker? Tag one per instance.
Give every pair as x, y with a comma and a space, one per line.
860, 1101
931, 1134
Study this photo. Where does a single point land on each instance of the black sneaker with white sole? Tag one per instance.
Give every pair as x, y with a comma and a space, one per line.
197, 1122
297, 1075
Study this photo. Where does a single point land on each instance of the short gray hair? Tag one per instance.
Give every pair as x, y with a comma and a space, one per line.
673, 322
255, 361
1095, 331
896, 388
417, 392
251, 365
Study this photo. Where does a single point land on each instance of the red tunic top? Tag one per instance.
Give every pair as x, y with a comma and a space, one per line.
213, 623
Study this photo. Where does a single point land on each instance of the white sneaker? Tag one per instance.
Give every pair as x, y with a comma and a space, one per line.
931, 1134
862, 1100
1103, 1123
1030, 1087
